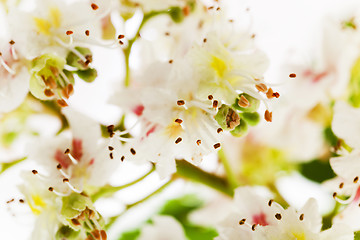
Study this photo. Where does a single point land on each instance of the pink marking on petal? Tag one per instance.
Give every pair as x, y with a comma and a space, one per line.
138, 110
315, 77
151, 130
357, 195
260, 219
91, 161
62, 158
77, 151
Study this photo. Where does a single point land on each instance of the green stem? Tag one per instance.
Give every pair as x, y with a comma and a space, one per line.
127, 50
191, 172
278, 197
108, 190
228, 170
113, 219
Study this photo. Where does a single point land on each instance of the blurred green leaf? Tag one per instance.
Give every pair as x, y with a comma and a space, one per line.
194, 232
317, 170
354, 86
357, 235
130, 235
7, 165
330, 137
179, 208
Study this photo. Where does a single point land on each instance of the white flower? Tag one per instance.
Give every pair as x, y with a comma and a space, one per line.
44, 204
163, 228
256, 218
57, 27
77, 160
14, 77
346, 126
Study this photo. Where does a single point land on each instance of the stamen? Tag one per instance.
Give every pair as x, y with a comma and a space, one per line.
12, 49
217, 145
179, 121
278, 216
210, 97
75, 222
87, 32
268, 116
21, 200
198, 142
171, 61
67, 152
243, 102
48, 92
62, 103
133, 152
111, 148
276, 94
72, 187
179, 139
121, 36
180, 102
242, 221
219, 130
94, 6
111, 155
356, 179
215, 103
122, 158
301, 217
270, 202
34, 172
11, 200
292, 75
270, 93
253, 227
69, 32
261, 87
7, 67
341, 185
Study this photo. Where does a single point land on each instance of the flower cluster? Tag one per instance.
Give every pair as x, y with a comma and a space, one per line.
104, 104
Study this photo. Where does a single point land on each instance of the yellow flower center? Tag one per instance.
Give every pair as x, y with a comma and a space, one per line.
219, 66
37, 204
54, 21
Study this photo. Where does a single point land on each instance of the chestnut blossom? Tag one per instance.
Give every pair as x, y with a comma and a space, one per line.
78, 159
256, 218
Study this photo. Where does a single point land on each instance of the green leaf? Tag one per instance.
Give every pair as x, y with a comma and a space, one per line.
357, 235
194, 232
317, 170
179, 208
88, 75
130, 235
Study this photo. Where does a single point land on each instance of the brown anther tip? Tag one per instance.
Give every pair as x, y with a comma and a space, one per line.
111, 155
219, 130
122, 158
243, 102
253, 36
217, 145
59, 166
62, 103
180, 102
12, 42
65, 180
48, 92
67, 151
110, 128
69, 32
198, 142
334, 195
103, 235
21, 200
75, 222
218, 8
111, 148
178, 120
121, 36
276, 94
179, 139
94, 6
261, 87
210, 97
292, 75
301, 217
215, 103
341, 185
278, 216
270, 93
210, 7
356, 179
268, 116
121, 42
133, 152
51, 189
87, 32
270, 202
242, 221
253, 227
171, 61
34, 172
11, 200
204, 40
167, 34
